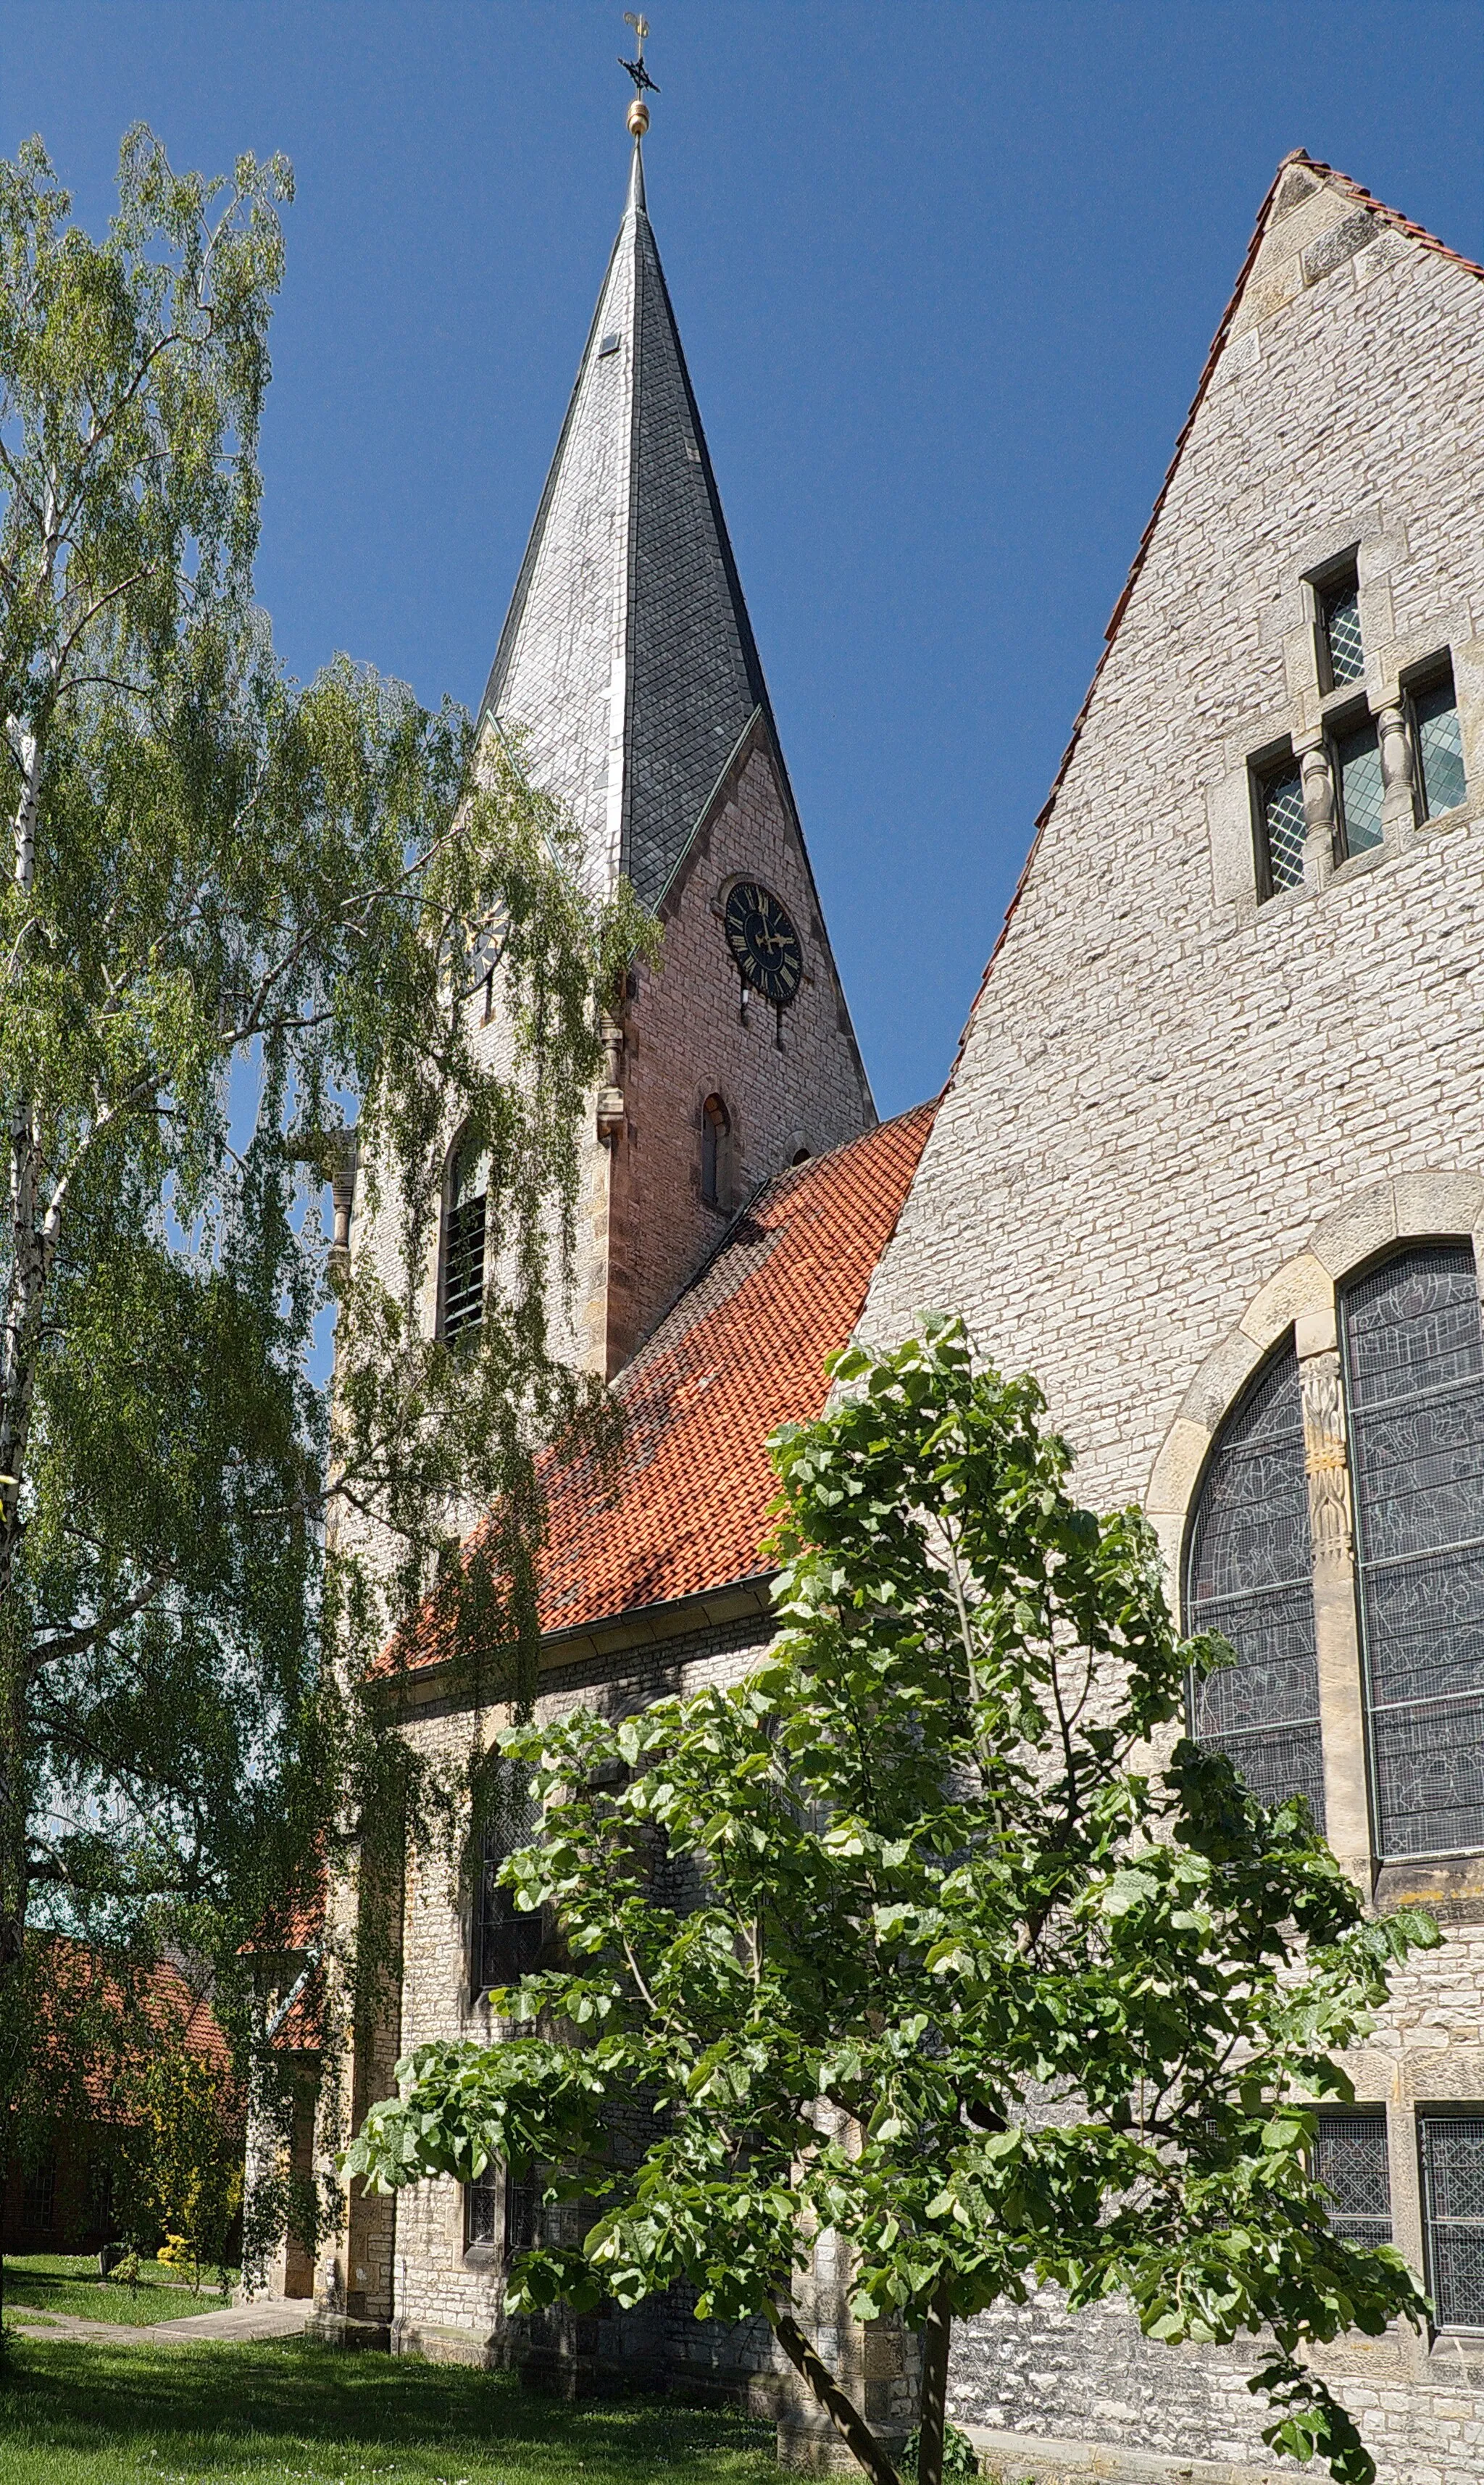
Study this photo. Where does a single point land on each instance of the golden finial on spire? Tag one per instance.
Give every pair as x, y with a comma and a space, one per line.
638, 110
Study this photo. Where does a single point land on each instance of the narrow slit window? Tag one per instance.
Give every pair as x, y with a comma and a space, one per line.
1453, 2216
1281, 814
1358, 775
1339, 625
523, 2211
1414, 1359
1251, 1578
464, 1235
481, 2210
715, 1123
1350, 2161
1439, 747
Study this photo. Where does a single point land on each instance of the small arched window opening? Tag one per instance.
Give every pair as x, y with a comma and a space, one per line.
1250, 1575
800, 1155
716, 1129
466, 1220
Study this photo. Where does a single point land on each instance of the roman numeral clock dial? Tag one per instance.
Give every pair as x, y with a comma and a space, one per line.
766, 949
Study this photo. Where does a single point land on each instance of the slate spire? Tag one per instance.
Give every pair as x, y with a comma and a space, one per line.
627, 654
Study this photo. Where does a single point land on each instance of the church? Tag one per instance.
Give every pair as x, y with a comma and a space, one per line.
1210, 1164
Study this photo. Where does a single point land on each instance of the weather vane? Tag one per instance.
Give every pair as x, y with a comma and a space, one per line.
638, 110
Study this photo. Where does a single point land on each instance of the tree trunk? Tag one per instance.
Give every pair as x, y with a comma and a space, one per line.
844, 2414
933, 2420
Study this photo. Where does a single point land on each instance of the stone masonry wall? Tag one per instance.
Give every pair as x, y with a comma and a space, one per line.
1165, 1086
446, 2299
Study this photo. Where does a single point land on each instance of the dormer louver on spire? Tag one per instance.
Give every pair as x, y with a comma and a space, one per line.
627, 657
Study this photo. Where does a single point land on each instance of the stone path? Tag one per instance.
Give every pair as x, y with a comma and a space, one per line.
232, 2324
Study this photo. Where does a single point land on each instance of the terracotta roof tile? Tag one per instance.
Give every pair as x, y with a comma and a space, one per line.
742, 1351
79, 1988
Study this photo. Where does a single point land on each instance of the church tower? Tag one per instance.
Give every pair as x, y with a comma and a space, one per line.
628, 680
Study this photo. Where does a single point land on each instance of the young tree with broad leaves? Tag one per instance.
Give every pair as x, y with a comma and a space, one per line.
982, 1968
239, 915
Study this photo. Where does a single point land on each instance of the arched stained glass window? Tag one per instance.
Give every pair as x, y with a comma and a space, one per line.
1415, 1381
1251, 1578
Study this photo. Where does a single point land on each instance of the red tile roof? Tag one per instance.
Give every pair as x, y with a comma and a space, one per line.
79, 1991
742, 1351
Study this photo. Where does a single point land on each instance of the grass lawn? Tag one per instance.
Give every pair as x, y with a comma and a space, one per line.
153, 2415
69, 2283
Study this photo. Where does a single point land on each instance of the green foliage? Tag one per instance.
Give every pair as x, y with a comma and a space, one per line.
182, 2149
960, 1949
959, 2456
237, 919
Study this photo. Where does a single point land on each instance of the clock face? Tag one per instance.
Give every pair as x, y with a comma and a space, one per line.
475, 950
764, 943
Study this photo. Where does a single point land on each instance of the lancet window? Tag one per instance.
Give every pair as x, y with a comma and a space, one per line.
1251, 1578
716, 1129
1413, 1361
466, 1218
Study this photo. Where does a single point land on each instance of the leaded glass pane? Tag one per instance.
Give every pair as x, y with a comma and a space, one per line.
1454, 2208
481, 2210
1414, 1377
1283, 826
1439, 748
507, 1938
523, 2211
1350, 2161
1342, 634
1250, 1578
1361, 791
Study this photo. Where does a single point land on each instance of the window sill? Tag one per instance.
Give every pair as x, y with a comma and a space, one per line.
1451, 1887
1440, 822
1464, 2347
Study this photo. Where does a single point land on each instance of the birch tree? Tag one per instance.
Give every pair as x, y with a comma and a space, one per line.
238, 919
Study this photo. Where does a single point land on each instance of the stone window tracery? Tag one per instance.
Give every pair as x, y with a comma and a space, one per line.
1452, 2152
1251, 1578
1413, 1361
1359, 769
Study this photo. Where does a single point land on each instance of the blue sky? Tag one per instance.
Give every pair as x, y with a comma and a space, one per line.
946, 278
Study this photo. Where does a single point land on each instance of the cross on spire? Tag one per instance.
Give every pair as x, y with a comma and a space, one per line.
638, 109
